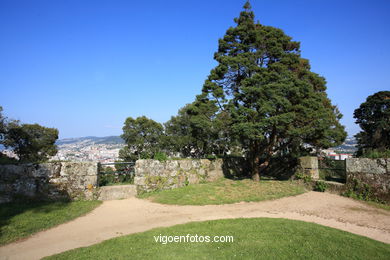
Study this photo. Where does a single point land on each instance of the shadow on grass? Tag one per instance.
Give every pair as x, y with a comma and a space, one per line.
280, 168
20, 206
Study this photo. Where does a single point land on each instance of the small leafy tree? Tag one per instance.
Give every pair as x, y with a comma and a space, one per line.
198, 131
143, 138
31, 142
373, 117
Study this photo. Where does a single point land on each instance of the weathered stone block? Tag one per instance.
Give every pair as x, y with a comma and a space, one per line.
193, 179
214, 175
372, 172
186, 165
140, 181
309, 165
205, 163
308, 162
375, 166
171, 165
117, 192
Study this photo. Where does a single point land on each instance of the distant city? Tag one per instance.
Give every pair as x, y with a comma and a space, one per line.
90, 148
106, 149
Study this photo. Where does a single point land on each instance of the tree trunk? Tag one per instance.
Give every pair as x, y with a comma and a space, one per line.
255, 168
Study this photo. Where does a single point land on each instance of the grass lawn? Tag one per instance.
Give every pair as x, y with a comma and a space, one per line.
21, 219
226, 191
258, 238
378, 205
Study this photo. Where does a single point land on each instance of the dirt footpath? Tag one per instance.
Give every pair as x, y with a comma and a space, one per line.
122, 217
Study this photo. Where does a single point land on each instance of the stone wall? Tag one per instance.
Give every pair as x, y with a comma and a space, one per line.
59, 180
309, 166
373, 172
151, 175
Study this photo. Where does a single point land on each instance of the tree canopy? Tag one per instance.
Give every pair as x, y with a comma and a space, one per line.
143, 138
373, 117
198, 131
31, 142
275, 103
262, 99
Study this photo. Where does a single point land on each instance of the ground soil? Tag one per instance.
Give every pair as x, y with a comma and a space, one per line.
121, 217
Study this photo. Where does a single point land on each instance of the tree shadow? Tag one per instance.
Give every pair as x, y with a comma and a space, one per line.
235, 168
280, 168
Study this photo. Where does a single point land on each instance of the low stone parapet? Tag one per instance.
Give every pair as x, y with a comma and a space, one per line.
57, 180
151, 175
371, 174
117, 192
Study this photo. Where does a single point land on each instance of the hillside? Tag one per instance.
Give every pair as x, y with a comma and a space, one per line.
91, 140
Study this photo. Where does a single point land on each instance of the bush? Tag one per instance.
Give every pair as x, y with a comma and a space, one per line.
112, 179
302, 176
320, 186
375, 154
361, 191
161, 156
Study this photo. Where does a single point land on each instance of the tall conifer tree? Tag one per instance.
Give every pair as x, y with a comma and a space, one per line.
276, 104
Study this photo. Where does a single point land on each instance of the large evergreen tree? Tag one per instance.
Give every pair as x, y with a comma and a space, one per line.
276, 104
373, 117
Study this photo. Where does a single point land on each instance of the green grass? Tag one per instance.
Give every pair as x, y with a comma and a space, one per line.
226, 191
21, 219
377, 205
259, 238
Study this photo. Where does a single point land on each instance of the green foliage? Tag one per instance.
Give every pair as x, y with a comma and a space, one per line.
273, 102
360, 190
332, 170
254, 238
161, 156
375, 154
303, 176
21, 219
143, 138
108, 176
108, 179
320, 186
373, 117
31, 142
6, 160
198, 131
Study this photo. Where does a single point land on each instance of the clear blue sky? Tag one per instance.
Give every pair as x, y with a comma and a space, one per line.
83, 66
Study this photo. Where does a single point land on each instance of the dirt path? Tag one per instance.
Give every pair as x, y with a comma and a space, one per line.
121, 217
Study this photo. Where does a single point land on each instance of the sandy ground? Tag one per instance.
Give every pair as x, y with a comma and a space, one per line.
121, 217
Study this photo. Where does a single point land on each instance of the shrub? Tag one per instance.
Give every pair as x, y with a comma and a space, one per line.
361, 191
375, 154
161, 156
320, 186
302, 176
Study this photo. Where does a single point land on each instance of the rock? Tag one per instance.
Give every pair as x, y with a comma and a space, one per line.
185, 165
117, 192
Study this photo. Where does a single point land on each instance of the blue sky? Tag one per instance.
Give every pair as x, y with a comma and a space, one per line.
84, 66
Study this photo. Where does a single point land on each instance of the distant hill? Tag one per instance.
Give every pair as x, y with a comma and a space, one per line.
91, 140
349, 145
